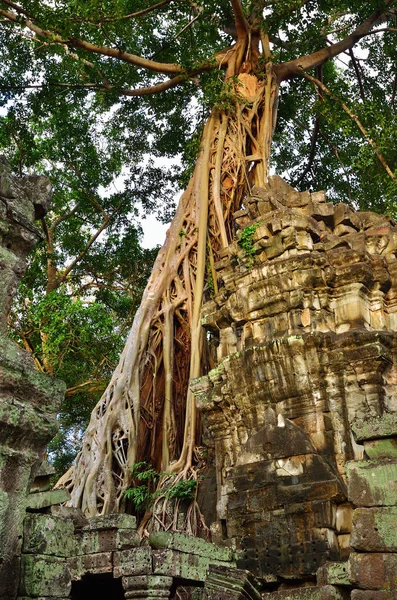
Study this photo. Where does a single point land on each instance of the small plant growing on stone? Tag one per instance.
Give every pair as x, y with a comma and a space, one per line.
183, 490
143, 496
246, 242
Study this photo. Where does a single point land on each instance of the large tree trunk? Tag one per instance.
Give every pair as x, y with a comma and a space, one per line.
147, 412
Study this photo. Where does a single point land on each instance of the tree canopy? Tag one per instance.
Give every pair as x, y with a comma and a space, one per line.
100, 92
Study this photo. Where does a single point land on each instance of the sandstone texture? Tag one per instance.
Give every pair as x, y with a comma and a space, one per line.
29, 400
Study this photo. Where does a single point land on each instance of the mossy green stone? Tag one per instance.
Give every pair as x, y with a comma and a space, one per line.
44, 576
44, 534
189, 544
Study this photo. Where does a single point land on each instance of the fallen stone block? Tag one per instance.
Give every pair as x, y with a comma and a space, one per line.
374, 529
223, 583
372, 483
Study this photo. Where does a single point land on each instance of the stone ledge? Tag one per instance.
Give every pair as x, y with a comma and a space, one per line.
44, 499
189, 544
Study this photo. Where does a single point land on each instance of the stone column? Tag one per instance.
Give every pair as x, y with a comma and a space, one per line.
29, 400
144, 587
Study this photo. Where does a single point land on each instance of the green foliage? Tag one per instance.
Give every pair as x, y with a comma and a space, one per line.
183, 490
143, 496
246, 242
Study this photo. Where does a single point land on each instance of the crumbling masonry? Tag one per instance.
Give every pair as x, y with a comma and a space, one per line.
299, 420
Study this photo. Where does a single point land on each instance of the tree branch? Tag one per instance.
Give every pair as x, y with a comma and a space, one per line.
242, 27
358, 75
92, 239
354, 117
127, 57
139, 13
296, 67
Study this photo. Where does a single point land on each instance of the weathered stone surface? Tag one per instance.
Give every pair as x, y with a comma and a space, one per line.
327, 592
372, 483
371, 595
44, 499
381, 449
374, 571
29, 400
93, 564
137, 561
147, 586
381, 426
305, 335
44, 534
44, 576
107, 540
189, 544
224, 584
180, 564
337, 573
113, 521
374, 529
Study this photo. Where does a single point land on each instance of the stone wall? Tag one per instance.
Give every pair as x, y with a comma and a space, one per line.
28, 399
300, 412
300, 423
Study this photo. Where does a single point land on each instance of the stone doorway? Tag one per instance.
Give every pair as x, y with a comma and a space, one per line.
97, 587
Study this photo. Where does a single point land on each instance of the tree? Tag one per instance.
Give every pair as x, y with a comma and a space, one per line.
245, 60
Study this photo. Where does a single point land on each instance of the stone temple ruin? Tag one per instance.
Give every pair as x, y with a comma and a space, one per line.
300, 423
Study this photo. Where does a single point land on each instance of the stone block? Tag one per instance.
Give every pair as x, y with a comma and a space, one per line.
385, 448
45, 534
334, 573
45, 499
184, 565
374, 571
371, 595
327, 592
189, 544
372, 428
44, 576
93, 564
137, 561
372, 483
113, 521
374, 529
